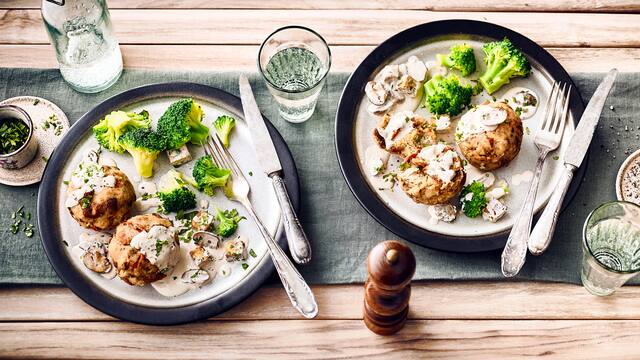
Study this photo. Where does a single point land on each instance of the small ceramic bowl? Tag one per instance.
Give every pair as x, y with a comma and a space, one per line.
23, 156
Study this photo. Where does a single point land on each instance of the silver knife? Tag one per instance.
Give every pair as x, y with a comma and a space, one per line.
573, 156
267, 157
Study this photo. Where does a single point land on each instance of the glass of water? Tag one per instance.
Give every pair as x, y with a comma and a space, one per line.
86, 47
294, 62
611, 247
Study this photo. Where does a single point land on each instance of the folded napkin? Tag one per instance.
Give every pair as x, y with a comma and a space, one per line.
341, 232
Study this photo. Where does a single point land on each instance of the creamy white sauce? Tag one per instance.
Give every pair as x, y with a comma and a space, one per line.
159, 247
147, 187
88, 177
375, 160
523, 99
443, 122
141, 205
172, 284
478, 120
398, 126
525, 177
436, 69
107, 161
440, 160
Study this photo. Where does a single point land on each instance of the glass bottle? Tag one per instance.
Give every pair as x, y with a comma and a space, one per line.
86, 48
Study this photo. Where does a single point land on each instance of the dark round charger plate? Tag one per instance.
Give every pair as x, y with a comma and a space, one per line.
78, 283
350, 100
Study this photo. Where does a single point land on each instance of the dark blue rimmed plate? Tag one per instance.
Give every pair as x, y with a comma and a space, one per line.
395, 211
54, 225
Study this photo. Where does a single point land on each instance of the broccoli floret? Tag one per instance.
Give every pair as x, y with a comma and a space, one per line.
208, 176
446, 95
109, 129
460, 57
174, 194
473, 205
227, 222
504, 61
224, 124
144, 145
181, 123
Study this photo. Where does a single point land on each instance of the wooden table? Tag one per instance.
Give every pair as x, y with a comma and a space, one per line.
471, 320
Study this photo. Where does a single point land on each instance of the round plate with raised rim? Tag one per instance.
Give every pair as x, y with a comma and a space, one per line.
394, 209
144, 304
40, 111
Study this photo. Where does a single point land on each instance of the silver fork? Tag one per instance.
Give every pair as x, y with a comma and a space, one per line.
547, 139
297, 289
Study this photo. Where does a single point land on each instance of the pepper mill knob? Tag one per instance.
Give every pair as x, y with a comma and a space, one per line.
391, 266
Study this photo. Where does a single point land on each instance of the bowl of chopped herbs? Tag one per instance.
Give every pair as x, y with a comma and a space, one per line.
18, 146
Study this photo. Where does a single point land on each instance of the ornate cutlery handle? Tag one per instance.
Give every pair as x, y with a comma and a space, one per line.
515, 251
299, 245
543, 231
297, 289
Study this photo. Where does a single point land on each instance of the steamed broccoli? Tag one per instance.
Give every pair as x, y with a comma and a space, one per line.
109, 129
446, 95
504, 61
473, 198
174, 194
181, 123
460, 57
144, 145
208, 176
227, 222
224, 124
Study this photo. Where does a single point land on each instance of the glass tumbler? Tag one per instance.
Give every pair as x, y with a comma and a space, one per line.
611, 247
294, 62
86, 48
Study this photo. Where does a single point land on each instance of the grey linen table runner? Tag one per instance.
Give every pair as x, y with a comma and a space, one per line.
341, 232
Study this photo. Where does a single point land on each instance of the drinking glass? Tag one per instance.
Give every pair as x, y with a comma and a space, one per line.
86, 47
294, 62
611, 247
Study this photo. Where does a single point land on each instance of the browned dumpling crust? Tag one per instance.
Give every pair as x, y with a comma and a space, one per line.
494, 149
108, 207
419, 132
424, 187
131, 265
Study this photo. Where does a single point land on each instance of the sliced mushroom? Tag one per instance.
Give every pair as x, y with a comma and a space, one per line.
380, 109
235, 250
376, 93
416, 68
402, 68
92, 155
195, 276
202, 221
207, 239
487, 179
396, 95
95, 259
389, 73
407, 86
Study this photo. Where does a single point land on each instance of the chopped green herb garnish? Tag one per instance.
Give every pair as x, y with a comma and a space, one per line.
250, 173
404, 166
45, 159
66, 182
245, 266
556, 157
252, 253
13, 134
159, 245
85, 202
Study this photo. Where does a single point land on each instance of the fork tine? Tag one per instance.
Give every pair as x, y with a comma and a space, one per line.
547, 109
564, 113
220, 160
557, 107
233, 166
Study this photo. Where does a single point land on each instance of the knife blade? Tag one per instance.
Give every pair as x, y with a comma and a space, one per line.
579, 143
542, 233
267, 156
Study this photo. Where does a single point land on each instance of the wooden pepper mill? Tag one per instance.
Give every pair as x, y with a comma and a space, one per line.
391, 266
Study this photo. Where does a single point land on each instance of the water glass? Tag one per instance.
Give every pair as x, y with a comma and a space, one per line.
294, 62
86, 48
611, 247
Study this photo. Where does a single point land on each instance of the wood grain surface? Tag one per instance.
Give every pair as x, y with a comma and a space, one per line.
466, 320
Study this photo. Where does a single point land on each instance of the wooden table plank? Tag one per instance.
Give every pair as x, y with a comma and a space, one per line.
347, 27
432, 300
243, 57
435, 5
323, 339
